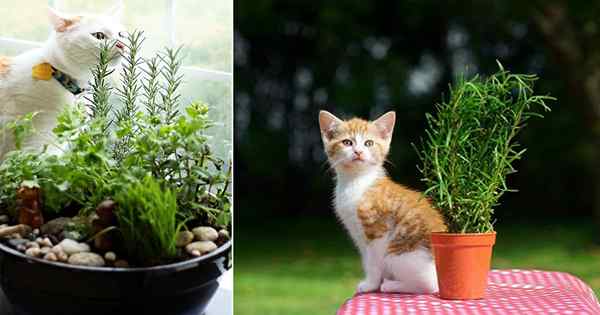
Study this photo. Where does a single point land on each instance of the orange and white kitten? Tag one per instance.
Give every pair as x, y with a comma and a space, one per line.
389, 223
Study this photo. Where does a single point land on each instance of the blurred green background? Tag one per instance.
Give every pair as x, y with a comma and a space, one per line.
362, 58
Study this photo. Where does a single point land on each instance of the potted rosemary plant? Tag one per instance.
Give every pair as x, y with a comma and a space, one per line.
465, 158
133, 216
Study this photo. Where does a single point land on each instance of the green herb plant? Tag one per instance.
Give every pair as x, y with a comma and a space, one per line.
124, 137
147, 217
470, 146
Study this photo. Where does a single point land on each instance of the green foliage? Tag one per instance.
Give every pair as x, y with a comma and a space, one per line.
108, 151
22, 128
101, 90
469, 146
170, 72
147, 216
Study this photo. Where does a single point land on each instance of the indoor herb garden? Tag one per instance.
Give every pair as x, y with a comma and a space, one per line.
135, 184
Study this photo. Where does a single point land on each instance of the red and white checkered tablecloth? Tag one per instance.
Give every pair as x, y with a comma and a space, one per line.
508, 292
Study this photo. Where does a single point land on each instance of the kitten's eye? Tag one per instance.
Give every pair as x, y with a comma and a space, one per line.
347, 142
99, 35
368, 143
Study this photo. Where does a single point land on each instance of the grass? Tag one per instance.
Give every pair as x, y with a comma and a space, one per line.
309, 266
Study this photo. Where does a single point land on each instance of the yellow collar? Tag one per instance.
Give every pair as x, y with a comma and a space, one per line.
43, 71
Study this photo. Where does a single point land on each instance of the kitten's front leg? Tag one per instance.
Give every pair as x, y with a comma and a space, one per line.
372, 258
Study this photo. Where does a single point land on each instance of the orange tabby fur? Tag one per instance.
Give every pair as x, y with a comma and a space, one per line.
4, 66
411, 213
387, 205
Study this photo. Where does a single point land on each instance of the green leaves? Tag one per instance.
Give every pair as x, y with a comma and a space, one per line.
470, 146
21, 128
156, 162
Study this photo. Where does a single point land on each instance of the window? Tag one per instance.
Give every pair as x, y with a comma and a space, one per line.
203, 27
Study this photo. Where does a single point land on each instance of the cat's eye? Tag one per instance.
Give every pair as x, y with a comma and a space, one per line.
347, 142
99, 35
369, 143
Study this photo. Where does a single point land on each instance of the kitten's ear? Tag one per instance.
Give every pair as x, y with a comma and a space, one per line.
385, 124
327, 123
60, 21
117, 10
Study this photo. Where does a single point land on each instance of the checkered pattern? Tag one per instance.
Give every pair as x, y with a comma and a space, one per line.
508, 292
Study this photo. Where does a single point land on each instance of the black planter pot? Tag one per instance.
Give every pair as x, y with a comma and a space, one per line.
34, 286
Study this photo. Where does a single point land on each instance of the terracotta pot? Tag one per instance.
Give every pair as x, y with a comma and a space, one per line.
462, 262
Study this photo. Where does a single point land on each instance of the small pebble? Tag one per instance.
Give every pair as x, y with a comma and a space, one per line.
39, 240
45, 242
36, 232
10, 230
45, 250
73, 235
62, 256
51, 257
17, 241
184, 238
110, 256
121, 263
32, 245
71, 247
21, 248
202, 247
57, 249
86, 259
4, 218
205, 233
16, 235
33, 251
224, 234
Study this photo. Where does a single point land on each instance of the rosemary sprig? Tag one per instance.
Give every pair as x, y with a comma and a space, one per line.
170, 72
152, 86
130, 76
99, 102
470, 146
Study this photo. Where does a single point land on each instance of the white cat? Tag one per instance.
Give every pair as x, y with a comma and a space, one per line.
48, 78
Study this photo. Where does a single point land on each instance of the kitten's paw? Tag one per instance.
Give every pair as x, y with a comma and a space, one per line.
367, 286
392, 286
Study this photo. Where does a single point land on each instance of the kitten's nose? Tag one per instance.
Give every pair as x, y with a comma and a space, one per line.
120, 45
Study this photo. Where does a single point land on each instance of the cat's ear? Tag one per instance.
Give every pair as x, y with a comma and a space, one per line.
117, 10
385, 124
327, 123
60, 21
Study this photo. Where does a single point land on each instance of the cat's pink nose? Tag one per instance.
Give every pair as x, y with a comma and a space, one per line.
120, 45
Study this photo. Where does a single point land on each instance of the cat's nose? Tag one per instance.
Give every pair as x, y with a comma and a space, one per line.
120, 45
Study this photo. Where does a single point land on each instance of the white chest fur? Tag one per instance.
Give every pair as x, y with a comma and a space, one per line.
349, 191
20, 94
